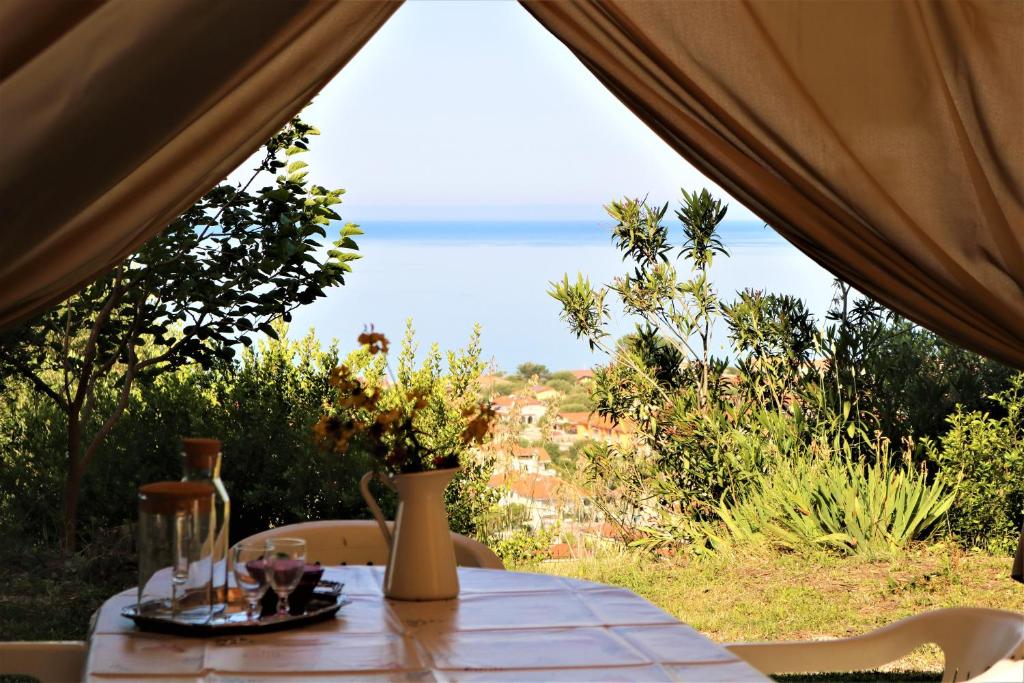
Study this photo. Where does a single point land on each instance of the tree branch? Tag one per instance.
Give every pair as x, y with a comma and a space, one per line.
172, 348
122, 403
65, 366
89, 352
29, 374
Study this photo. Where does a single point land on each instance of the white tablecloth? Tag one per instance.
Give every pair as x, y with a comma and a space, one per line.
505, 626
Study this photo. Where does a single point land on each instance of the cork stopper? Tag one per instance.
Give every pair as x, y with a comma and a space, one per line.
201, 454
170, 497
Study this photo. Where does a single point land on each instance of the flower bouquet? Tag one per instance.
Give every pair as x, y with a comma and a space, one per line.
387, 419
415, 454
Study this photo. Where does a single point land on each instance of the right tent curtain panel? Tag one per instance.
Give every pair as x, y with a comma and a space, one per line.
884, 140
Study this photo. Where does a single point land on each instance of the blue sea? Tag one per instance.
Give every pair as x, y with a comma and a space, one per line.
448, 275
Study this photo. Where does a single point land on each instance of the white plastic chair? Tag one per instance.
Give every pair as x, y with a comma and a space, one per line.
54, 661
351, 541
978, 645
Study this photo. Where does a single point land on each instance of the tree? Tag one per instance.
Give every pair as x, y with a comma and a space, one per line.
528, 370
229, 266
663, 378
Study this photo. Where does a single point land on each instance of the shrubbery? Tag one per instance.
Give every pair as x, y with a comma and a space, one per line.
263, 408
834, 504
805, 435
983, 458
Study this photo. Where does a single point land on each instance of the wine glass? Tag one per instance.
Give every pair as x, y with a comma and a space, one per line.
249, 560
286, 559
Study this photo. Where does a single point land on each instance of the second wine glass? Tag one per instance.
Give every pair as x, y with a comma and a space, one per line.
286, 561
249, 561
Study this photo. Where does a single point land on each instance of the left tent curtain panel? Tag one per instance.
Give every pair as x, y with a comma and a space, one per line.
116, 116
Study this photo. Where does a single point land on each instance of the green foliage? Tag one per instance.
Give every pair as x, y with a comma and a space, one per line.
262, 406
553, 451
983, 456
508, 387
774, 337
830, 503
664, 378
897, 377
524, 549
561, 384
225, 269
704, 433
527, 370
31, 464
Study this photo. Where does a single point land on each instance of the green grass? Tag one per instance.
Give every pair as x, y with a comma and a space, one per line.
45, 598
762, 596
754, 596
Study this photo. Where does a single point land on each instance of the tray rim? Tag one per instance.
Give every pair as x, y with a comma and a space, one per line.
169, 626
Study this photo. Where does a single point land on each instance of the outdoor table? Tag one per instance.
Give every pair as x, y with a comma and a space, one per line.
504, 626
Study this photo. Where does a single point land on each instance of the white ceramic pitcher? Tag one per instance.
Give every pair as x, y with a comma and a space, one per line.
421, 564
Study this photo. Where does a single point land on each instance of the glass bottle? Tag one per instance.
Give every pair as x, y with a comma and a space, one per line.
175, 544
202, 458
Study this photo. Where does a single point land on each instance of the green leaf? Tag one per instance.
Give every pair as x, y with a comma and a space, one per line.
279, 194
351, 230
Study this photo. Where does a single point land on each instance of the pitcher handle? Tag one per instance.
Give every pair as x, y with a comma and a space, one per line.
371, 502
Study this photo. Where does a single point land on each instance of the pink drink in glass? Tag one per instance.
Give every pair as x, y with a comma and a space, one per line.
285, 574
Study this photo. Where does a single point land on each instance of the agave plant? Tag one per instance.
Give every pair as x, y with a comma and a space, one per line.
835, 504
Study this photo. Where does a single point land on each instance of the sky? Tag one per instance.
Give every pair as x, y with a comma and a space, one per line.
473, 110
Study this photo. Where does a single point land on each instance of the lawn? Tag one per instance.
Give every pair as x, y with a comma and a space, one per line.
750, 597
774, 597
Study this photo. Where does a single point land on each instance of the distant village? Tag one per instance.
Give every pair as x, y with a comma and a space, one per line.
543, 420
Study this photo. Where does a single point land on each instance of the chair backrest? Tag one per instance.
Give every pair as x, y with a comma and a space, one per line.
973, 641
352, 541
55, 661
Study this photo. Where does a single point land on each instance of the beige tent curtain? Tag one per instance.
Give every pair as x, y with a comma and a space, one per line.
884, 139
117, 115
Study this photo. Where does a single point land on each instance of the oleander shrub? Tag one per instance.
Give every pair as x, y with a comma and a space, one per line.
983, 457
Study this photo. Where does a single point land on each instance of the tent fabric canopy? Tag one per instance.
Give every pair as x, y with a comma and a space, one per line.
885, 140
117, 115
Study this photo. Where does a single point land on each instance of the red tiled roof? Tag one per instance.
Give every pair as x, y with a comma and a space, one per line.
536, 486
595, 421
560, 551
582, 374
531, 452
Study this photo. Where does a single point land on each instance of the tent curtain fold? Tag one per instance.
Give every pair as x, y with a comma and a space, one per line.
885, 140
117, 115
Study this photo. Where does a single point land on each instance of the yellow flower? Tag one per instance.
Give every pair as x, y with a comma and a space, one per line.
417, 398
375, 341
339, 376
477, 428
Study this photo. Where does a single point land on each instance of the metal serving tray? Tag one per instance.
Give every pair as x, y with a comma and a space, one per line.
327, 599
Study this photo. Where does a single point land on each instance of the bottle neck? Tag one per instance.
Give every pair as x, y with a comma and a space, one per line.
202, 474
